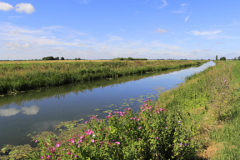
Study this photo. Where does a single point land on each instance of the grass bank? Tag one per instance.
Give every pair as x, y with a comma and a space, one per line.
46, 93
24, 76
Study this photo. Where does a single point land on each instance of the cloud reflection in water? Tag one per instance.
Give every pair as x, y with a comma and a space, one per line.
30, 111
25, 110
9, 112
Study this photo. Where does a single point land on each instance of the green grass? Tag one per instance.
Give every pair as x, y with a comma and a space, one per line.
206, 108
229, 135
25, 76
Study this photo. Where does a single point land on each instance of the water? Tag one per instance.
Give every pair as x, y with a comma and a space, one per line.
40, 110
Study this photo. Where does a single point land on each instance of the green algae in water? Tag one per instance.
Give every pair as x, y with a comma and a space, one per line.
132, 99
111, 105
108, 111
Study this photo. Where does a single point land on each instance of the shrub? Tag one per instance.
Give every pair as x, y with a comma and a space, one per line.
154, 133
223, 59
50, 58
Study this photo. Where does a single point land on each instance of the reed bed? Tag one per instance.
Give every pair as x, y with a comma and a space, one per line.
24, 76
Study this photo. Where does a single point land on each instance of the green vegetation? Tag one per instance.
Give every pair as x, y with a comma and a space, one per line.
207, 105
223, 59
66, 89
129, 58
20, 77
50, 58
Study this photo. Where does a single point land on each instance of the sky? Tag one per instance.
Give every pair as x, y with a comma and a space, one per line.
106, 29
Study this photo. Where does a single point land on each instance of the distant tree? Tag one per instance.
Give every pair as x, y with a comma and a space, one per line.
79, 58
129, 58
235, 58
216, 57
239, 58
62, 58
223, 59
50, 58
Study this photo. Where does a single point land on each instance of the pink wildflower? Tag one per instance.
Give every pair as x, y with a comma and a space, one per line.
69, 153
57, 145
89, 132
36, 141
93, 140
52, 150
118, 143
72, 140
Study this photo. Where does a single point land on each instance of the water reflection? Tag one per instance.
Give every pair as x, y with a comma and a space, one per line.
9, 112
25, 110
31, 110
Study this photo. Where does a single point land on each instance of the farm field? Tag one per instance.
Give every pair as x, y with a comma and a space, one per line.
30, 75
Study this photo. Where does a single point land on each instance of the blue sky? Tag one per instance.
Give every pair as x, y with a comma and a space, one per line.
105, 29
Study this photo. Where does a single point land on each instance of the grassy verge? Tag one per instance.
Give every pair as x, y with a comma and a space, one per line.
226, 139
205, 100
24, 76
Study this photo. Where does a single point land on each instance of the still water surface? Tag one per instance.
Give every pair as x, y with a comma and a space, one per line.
41, 110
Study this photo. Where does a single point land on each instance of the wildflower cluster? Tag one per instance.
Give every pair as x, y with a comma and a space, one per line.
221, 95
153, 133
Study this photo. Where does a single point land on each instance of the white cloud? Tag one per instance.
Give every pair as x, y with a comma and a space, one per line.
206, 50
52, 27
186, 19
164, 4
5, 6
9, 112
235, 23
114, 38
156, 44
12, 29
160, 30
31, 110
103, 48
16, 45
205, 33
24, 7
182, 10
